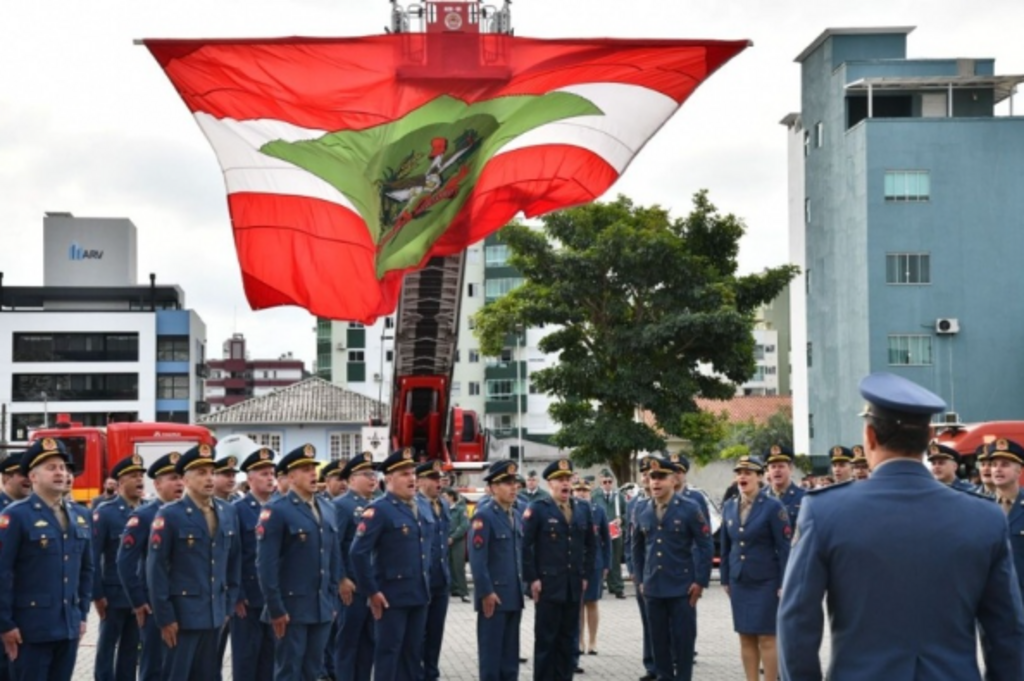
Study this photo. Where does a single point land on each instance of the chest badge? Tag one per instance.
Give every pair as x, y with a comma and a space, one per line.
43, 542
190, 541
405, 529
302, 536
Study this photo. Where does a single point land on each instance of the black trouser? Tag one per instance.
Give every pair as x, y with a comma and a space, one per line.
615, 583
555, 626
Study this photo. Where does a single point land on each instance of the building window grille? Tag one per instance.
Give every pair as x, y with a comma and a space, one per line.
910, 350
907, 185
908, 268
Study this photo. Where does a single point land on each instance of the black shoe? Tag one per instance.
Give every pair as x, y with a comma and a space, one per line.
591, 652
465, 599
620, 596
649, 677
523, 660
579, 670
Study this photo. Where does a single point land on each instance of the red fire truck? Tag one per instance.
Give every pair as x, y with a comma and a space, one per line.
967, 437
94, 450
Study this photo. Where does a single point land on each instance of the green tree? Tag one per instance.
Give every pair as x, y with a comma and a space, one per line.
750, 437
638, 300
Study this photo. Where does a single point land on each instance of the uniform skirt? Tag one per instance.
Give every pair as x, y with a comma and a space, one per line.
595, 587
754, 607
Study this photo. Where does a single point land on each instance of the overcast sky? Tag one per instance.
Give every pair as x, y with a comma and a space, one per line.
89, 124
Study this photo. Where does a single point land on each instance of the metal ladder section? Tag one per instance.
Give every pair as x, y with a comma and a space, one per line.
427, 323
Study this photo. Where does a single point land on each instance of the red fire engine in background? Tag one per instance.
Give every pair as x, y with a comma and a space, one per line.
95, 450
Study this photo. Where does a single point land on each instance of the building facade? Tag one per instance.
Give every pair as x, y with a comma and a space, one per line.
91, 342
236, 377
911, 196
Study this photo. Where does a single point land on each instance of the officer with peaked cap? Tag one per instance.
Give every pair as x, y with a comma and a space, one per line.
779, 463
330, 474
755, 545
298, 561
842, 464
354, 642
531, 488
672, 552
495, 559
117, 648
46, 570
1006, 457
614, 504
434, 508
635, 506
985, 488
193, 570
945, 461
391, 558
881, 573
252, 639
859, 464
15, 485
558, 557
131, 561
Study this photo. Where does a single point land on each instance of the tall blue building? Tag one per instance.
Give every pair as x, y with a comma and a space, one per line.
912, 216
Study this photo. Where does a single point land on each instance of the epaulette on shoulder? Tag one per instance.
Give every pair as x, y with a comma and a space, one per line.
838, 485
972, 493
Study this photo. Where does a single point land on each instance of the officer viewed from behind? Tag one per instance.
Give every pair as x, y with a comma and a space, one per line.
558, 557
672, 552
46, 570
298, 560
391, 557
435, 507
119, 630
945, 461
252, 639
882, 573
193, 570
495, 558
354, 642
131, 561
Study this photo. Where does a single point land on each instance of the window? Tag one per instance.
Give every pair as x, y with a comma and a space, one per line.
819, 135
271, 440
769, 349
355, 372
456, 389
496, 288
355, 325
389, 356
342, 446
807, 142
496, 256
810, 354
474, 356
175, 349
76, 347
758, 351
172, 387
810, 425
501, 389
472, 290
356, 356
807, 282
471, 323
74, 387
172, 416
389, 322
533, 388
807, 211
769, 370
910, 350
474, 388
506, 354
907, 185
908, 268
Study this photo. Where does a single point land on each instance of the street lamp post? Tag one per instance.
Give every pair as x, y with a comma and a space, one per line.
380, 388
519, 398
46, 410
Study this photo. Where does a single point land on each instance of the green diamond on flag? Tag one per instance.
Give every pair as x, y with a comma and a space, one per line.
342, 176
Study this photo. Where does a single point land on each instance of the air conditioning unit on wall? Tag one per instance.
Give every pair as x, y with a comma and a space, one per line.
947, 326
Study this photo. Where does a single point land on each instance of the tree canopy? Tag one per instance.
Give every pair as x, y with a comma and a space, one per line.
636, 302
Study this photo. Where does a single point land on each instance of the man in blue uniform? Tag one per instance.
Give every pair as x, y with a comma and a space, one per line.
391, 557
193, 570
842, 460
117, 649
495, 559
635, 505
532, 491
986, 487
252, 640
435, 507
334, 484
131, 561
945, 461
15, 485
558, 558
672, 552
779, 461
881, 571
298, 560
1006, 457
614, 505
354, 642
861, 471
46, 570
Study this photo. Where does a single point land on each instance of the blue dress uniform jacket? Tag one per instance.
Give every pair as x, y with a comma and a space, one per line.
298, 559
391, 555
904, 598
440, 582
560, 556
633, 507
1015, 520
353, 649
117, 646
791, 498
495, 559
755, 551
131, 570
252, 640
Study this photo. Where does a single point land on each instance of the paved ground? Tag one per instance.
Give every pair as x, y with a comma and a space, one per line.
619, 642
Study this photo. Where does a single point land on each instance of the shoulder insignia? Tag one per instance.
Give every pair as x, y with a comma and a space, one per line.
264, 514
132, 522
158, 524
368, 513
527, 513
41, 523
260, 529
838, 485
361, 529
96, 517
478, 524
4, 521
783, 516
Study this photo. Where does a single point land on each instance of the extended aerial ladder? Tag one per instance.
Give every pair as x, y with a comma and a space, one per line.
427, 320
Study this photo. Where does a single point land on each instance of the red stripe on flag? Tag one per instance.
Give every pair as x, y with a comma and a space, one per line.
350, 83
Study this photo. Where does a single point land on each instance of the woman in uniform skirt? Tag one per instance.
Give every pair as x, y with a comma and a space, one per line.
755, 545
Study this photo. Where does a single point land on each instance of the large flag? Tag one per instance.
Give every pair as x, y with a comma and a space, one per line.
343, 171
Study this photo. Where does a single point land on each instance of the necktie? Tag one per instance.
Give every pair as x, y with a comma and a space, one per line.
1006, 503
211, 519
567, 512
437, 507
659, 511
744, 510
412, 506
62, 516
316, 511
